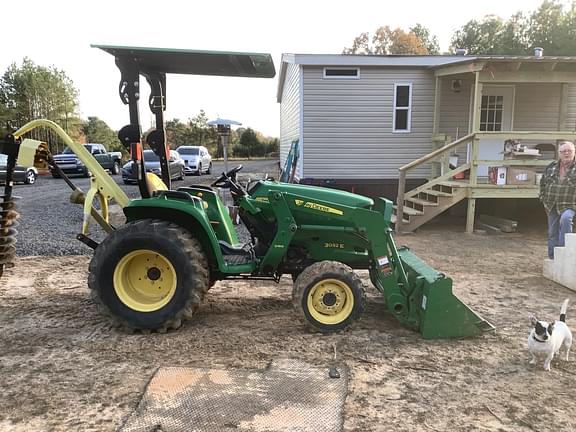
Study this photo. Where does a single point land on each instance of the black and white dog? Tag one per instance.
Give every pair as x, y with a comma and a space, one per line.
546, 339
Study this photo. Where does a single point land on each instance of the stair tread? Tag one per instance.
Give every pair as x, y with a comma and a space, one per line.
393, 219
422, 202
454, 183
410, 211
436, 193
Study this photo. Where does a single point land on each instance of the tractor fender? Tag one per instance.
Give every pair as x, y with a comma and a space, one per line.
188, 217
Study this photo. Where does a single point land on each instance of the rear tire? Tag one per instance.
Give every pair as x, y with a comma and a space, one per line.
328, 296
149, 275
209, 169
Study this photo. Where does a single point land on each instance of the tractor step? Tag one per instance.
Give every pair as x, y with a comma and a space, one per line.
237, 259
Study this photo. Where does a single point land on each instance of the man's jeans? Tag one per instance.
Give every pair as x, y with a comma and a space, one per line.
558, 225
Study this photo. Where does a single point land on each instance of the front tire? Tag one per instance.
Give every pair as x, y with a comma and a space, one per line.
328, 296
149, 275
115, 168
30, 177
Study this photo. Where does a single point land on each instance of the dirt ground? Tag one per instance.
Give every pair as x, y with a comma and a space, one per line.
63, 368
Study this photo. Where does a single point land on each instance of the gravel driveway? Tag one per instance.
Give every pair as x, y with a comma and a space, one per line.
49, 222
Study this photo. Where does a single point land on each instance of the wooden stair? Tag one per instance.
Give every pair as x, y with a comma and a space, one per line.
426, 202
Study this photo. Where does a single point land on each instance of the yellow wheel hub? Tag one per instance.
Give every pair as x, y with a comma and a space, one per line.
330, 301
145, 280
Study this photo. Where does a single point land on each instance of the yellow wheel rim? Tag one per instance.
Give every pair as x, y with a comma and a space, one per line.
145, 280
330, 301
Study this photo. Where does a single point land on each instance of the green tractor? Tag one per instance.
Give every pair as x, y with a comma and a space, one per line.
153, 272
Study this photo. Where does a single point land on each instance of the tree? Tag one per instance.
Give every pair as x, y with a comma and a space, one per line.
549, 27
30, 92
202, 133
429, 41
97, 131
387, 41
177, 133
553, 29
492, 35
249, 144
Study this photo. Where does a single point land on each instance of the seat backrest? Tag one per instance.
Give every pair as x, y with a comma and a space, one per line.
154, 183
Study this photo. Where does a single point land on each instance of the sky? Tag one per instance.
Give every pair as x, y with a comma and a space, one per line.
59, 33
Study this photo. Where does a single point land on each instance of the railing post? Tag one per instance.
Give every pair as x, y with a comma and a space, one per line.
400, 200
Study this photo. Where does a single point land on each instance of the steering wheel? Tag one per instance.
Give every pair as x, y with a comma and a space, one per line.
227, 179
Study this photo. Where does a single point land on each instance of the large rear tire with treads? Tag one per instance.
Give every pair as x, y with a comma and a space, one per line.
149, 275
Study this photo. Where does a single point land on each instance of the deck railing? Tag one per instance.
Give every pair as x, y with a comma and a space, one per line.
472, 140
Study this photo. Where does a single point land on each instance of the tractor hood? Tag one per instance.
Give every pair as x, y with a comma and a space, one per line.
313, 193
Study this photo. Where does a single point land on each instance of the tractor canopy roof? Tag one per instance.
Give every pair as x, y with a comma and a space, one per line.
194, 62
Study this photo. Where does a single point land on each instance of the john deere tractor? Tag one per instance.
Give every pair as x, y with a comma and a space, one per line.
153, 272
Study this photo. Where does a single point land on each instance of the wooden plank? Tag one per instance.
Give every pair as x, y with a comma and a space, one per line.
422, 202
503, 193
505, 225
490, 229
529, 135
514, 162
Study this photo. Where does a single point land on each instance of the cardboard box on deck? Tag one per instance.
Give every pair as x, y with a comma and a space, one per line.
497, 175
520, 176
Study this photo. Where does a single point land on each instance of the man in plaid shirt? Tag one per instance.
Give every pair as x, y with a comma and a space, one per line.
558, 195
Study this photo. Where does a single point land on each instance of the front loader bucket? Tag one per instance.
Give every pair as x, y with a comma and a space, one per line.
441, 315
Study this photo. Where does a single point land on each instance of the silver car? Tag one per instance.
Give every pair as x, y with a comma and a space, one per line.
26, 175
152, 163
197, 159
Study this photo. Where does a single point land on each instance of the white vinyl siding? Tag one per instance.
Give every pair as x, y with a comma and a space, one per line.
347, 124
455, 109
537, 106
290, 113
570, 123
402, 107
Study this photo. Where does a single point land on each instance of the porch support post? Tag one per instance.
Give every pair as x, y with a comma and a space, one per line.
563, 107
437, 166
474, 153
476, 104
437, 100
470, 216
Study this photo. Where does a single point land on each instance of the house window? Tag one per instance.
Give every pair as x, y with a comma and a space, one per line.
402, 107
491, 113
341, 73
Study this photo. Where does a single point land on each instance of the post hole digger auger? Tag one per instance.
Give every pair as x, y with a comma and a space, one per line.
153, 272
